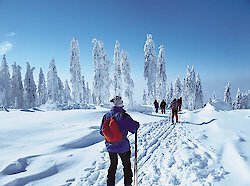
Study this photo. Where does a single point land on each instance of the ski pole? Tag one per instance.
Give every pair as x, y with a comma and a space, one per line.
135, 163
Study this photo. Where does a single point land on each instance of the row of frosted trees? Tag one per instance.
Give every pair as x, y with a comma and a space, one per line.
156, 80
18, 93
241, 101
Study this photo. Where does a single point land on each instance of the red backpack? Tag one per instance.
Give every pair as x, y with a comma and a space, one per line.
111, 130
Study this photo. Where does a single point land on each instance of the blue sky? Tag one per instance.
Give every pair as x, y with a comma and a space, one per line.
213, 36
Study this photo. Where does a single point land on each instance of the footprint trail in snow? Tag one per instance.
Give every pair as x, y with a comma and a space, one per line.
167, 155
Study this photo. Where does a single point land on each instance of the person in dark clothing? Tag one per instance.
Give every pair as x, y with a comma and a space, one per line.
174, 108
156, 104
122, 148
179, 102
163, 106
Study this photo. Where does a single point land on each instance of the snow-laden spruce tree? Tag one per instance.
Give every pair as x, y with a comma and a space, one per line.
29, 87
128, 82
4, 83
67, 92
75, 72
177, 88
190, 88
88, 94
60, 91
144, 97
237, 104
227, 94
117, 70
244, 100
150, 68
84, 91
161, 77
42, 90
52, 82
101, 83
170, 93
16, 87
198, 93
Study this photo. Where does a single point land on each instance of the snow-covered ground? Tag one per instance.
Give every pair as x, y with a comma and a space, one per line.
211, 146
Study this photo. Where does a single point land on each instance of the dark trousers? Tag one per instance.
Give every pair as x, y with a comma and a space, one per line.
125, 157
174, 113
163, 110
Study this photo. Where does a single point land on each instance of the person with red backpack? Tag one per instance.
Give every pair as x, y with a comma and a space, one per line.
115, 127
174, 108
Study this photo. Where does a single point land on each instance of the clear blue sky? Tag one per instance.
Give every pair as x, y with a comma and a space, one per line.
212, 35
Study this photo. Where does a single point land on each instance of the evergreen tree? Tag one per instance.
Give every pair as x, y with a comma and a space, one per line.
52, 82
170, 93
61, 93
16, 87
161, 77
88, 92
198, 93
4, 84
29, 87
101, 83
177, 88
42, 90
75, 71
117, 70
150, 68
227, 94
67, 92
144, 97
128, 82
238, 100
84, 91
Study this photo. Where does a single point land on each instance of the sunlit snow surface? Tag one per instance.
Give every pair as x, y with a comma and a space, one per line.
210, 146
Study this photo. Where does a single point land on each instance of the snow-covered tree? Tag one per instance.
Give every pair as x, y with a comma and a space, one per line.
84, 91
16, 87
60, 91
177, 88
244, 100
198, 93
214, 96
29, 87
170, 93
227, 94
52, 82
101, 83
67, 92
238, 100
128, 82
4, 84
75, 71
144, 97
150, 68
88, 94
117, 70
42, 90
189, 89
161, 77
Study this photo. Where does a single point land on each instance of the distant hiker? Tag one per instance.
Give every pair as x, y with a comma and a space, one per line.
163, 106
174, 107
179, 102
117, 116
156, 104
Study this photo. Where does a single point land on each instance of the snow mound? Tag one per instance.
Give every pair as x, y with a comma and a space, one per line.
218, 105
140, 108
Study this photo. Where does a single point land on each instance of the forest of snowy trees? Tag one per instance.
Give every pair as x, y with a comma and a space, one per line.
19, 93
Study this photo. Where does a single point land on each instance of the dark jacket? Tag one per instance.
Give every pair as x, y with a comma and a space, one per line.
163, 104
125, 123
156, 104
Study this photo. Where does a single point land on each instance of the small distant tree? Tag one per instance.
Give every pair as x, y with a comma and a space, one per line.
16, 87
198, 93
5, 83
67, 92
161, 77
52, 82
29, 87
128, 82
177, 92
238, 100
42, 90
227, 94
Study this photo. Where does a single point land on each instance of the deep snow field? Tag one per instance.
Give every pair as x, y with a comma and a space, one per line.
211, 146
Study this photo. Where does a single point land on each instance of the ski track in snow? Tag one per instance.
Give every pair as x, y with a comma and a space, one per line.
167, 155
